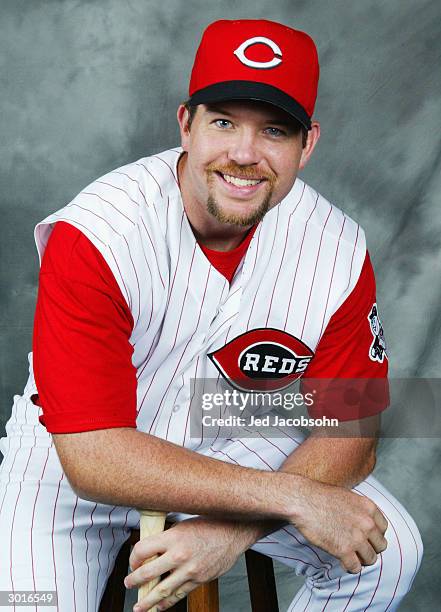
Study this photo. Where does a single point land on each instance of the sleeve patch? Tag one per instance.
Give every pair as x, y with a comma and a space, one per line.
377, 349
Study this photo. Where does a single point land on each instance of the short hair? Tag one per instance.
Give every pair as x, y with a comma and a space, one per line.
297, 126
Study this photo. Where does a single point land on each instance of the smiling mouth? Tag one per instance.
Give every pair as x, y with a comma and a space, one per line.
239, 182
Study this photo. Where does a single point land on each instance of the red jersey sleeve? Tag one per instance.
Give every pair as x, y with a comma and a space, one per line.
352, 347
82, 354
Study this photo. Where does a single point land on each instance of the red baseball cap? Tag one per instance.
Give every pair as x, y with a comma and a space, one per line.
256, 59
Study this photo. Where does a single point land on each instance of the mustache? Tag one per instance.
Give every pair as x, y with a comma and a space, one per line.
245, 172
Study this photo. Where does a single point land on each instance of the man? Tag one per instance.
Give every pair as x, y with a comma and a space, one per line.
176, 268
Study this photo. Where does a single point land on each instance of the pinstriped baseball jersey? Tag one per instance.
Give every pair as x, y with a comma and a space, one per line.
303, 261
305, 258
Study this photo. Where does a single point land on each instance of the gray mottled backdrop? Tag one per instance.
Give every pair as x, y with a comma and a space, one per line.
90, 85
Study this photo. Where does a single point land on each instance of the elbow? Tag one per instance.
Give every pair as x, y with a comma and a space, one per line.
79, 463
89, 487
94, 463
81, 488
79, 481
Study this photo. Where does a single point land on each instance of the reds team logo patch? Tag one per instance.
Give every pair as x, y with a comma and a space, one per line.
377, 350
262, 359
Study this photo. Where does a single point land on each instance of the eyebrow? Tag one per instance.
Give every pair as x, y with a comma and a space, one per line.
214, 108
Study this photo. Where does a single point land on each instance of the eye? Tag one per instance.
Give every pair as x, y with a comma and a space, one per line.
274, 131
222, 123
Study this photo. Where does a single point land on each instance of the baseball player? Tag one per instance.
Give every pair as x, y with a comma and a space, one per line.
208, 261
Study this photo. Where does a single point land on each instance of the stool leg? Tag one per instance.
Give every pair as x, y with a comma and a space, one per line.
261, 581
205, 598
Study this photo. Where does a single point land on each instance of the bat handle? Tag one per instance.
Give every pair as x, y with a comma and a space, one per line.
151, 523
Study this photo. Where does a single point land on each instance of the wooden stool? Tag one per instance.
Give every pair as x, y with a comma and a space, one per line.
205, 598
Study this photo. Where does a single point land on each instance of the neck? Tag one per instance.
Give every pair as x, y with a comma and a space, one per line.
207, 230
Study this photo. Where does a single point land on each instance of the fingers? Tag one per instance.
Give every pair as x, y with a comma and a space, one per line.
373, 528
366, 554
184, 590
376, 535
147, 548
351, 563
150, 570
377, 541
167, 593
381, 521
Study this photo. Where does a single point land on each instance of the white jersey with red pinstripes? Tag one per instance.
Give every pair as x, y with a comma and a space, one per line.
304, 259
302, 263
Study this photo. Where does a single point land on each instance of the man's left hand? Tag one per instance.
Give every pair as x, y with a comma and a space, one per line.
194, 551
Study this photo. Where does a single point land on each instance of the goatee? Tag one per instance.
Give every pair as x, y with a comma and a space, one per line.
240, 220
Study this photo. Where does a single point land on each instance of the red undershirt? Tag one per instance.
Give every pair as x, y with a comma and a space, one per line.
82, 354
226, 262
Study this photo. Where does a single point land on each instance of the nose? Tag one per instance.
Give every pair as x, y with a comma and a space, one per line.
243, 149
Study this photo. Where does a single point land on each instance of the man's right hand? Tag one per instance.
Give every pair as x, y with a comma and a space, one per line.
344, 524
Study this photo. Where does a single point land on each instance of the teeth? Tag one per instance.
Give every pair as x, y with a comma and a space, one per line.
240, 182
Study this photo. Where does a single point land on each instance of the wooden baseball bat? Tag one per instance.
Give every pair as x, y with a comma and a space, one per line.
151, 523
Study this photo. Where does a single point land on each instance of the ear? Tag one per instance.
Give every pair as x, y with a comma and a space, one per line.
312, 140
183, 116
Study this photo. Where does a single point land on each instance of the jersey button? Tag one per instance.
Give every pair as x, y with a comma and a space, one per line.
175, 408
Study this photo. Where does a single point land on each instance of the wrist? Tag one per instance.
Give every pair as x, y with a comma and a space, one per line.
290, 501
254, 531
247, 534
243, 533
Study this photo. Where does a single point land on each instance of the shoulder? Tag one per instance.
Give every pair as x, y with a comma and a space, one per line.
113, 207
69, 253
332, 222
121, 196
329, 240
145, 182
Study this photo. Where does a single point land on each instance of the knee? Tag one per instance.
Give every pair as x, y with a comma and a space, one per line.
414, 542
407, 550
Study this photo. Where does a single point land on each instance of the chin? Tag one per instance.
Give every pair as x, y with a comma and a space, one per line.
238, 214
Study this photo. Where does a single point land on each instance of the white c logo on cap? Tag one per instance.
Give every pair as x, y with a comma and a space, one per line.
240, 53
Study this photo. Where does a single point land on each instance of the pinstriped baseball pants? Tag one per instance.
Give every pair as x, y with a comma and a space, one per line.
52, 540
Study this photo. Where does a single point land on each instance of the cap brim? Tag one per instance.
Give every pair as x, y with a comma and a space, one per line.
251, 90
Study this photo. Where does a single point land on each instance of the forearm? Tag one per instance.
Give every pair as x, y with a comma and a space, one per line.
343, 462
130, 468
